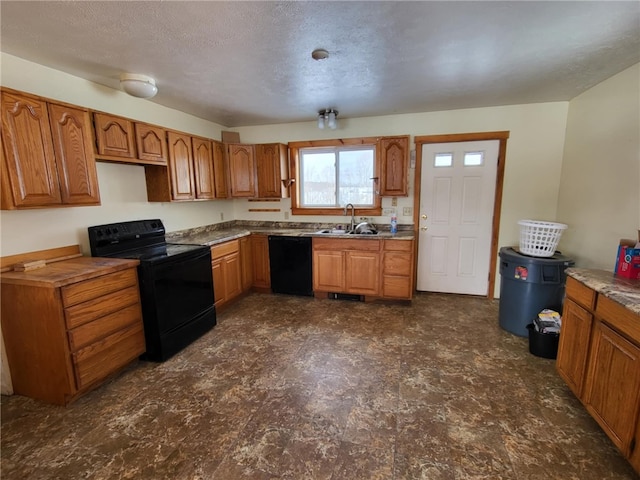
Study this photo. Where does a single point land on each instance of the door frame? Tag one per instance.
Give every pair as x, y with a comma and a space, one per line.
497, 204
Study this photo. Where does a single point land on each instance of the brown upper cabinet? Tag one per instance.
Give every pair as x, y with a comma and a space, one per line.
203, 168
181, 166
220, 174
394, 166
242, 177
47, 157
151, 142
272, 166
115, 136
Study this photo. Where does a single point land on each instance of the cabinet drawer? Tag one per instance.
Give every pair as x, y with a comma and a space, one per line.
396, 263
218, 251
346, 244
99, 307
580, 293
398, 245
92, 331
396, 287
96, 287
619, 317
102, 358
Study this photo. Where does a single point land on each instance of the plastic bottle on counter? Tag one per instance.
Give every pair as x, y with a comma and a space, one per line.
394, 223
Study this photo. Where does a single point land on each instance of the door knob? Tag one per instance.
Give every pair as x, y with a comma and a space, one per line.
423, 228
423, 216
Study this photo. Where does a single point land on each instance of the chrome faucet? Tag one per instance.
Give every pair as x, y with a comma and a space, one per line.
353, 212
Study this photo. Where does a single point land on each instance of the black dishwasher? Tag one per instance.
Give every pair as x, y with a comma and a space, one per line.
290, 264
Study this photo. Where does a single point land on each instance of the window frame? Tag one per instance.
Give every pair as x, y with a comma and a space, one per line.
294, 169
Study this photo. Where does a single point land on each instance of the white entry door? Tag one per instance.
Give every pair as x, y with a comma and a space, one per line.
457, 191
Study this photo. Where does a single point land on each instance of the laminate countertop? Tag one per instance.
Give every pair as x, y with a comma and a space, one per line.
621, 290
212, 234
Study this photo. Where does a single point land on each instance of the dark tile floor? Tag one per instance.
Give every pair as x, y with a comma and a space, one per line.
296, 388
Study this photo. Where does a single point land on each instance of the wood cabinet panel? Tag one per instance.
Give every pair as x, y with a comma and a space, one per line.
260, 254
272, 166
626, 322
612, 390
218, 282
227, 272
181, 166
246, 261
220, 175
394, 166
203, 168
29, 165
151, 143
328, 271
634, 456
115, 136
573, 346
362, 272
242, 170
580, 293
92, 331
233, 274
96, 287
92, 309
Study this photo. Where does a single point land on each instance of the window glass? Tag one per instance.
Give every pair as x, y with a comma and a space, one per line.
473, 159
443, 160
335, 176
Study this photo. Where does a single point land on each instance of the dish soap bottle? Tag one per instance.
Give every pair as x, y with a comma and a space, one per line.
394, 223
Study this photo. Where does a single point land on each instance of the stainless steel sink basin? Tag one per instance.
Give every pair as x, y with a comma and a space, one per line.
335, 231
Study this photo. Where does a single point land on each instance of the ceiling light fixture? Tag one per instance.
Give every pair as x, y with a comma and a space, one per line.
137, 85
319, 54
328, 118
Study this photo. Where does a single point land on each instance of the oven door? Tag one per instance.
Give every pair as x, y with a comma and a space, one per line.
175, 292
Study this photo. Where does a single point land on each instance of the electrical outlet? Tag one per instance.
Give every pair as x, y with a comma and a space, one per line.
407, 211
286, 215
388, 211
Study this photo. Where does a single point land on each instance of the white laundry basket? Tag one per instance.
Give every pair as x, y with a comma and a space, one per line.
540, 239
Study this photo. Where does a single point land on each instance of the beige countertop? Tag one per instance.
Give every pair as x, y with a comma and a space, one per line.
214, 234
622, 290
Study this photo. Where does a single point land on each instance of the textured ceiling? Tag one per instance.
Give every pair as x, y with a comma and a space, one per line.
249, 63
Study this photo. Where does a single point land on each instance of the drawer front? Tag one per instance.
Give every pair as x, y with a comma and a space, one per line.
396, 287
619, 317
93, 331
398, 245
99, 307
218, 251
96, 287
397, 263
99, 360
580, 293
346, 244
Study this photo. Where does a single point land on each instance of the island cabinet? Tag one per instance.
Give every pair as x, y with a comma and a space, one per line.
227, 272
394, 166
242, 172
47, 154
272, 167
599, 358
70, 325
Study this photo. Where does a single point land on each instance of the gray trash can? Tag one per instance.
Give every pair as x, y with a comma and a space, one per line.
528, 285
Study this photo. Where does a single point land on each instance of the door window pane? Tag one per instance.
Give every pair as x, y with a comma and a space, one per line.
473, 159
443, 160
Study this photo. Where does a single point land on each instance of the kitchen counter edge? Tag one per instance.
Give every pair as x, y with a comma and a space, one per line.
624, 291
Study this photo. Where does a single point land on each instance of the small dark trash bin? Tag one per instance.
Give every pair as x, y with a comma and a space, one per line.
543, 345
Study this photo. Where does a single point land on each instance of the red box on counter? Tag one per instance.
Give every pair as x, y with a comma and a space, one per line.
628, 260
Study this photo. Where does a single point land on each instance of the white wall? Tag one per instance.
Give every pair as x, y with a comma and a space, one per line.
600, 184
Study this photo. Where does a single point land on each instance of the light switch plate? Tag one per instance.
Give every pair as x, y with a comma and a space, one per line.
407, 211
394, 201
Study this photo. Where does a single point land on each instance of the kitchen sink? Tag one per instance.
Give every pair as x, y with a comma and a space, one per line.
334, 231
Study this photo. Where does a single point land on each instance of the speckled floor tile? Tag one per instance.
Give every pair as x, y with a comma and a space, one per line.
296, 388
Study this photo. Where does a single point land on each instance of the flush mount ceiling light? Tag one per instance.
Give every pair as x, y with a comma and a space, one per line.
328, 118
319, 54
137, 85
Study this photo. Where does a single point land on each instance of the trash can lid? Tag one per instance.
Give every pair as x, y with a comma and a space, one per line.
512, 254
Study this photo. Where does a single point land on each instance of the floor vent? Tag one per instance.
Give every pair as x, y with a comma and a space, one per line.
346, 296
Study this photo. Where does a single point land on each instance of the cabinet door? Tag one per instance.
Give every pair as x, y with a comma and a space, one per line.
219, 287
394, 163
75, 161
114, 136
573, 346
220, 169
246, 261
151, 143
612, 389
634, 453
181, 166
328, 271
396, 279
272, 168
362, 272
242, 170
29, 167
233, 275
260, 253
203, 166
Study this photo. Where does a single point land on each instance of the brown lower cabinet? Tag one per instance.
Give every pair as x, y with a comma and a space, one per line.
260, 253
227, 273
599, 358
369, 267
70, 325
